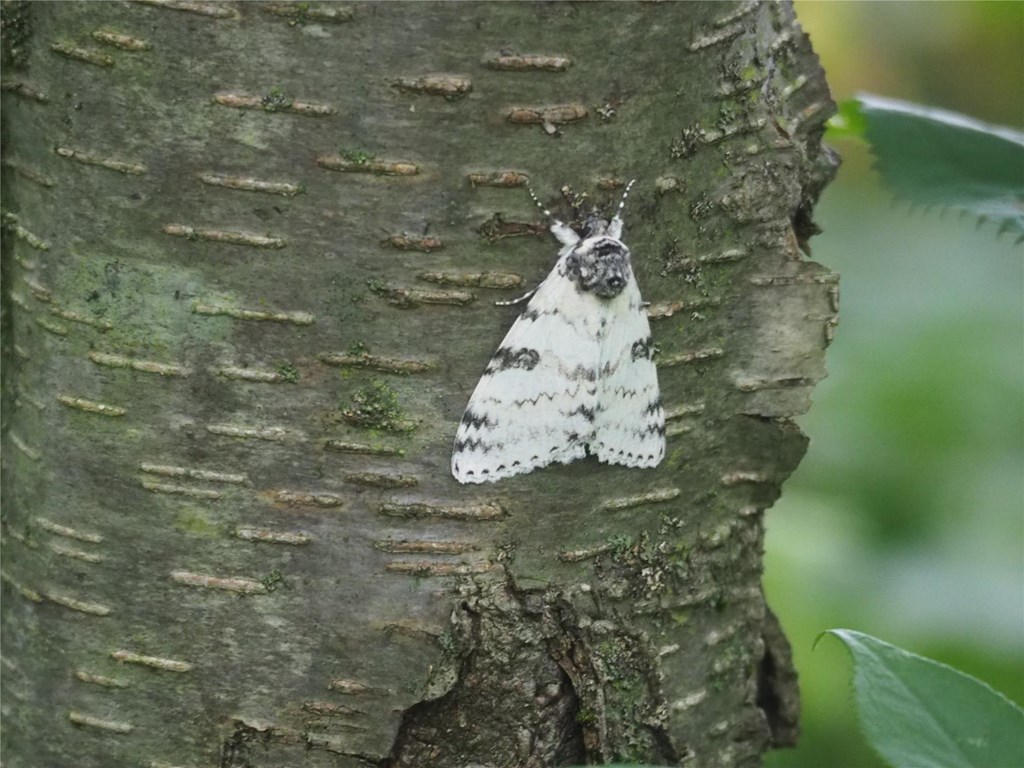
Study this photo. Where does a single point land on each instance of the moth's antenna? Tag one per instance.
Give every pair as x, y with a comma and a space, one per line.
622, 202
561, 230
541, 205
615, 225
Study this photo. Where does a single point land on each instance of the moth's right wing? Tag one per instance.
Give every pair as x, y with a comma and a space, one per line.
535, 403
630, 422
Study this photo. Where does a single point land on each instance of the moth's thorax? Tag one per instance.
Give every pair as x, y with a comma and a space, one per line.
599, 264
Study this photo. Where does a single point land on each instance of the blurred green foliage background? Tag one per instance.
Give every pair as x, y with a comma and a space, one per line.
906, 518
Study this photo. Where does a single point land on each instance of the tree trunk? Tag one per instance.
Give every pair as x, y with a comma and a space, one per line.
251, 257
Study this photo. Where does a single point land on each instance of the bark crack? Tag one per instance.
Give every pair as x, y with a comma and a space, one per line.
528, 719
584, 690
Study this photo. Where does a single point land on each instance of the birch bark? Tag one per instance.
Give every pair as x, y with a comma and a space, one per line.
251, 253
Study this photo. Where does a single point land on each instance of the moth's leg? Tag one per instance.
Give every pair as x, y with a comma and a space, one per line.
520, 300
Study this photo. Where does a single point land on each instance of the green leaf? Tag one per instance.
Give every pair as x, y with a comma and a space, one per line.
934, 157
848, 122
918, 713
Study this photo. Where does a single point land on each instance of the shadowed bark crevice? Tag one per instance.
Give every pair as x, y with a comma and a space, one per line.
778, 694
525, 710
240, 745
581, 691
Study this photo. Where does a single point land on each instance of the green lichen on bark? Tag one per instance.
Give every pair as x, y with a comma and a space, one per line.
376, 406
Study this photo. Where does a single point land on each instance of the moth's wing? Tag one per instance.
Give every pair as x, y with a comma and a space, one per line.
535, 403
630, 423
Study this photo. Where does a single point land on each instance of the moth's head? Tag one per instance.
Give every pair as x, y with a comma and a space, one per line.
595, 226
598, 260
599, 264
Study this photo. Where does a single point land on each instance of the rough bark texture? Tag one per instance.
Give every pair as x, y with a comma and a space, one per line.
251, 256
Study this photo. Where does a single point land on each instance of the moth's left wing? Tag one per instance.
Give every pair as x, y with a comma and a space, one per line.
534, 404
629, 424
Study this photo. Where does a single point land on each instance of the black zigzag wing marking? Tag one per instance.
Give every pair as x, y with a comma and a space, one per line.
506, 358
582, 410
477, 444
642, 349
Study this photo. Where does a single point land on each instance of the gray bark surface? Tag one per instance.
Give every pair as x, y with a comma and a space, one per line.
251, 254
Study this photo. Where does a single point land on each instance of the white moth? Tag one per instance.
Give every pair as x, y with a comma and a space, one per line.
574, 375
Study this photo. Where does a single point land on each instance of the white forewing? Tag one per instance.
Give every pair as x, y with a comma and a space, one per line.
629, 424
536, 401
